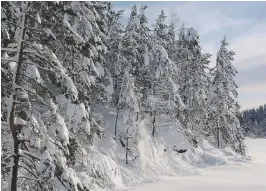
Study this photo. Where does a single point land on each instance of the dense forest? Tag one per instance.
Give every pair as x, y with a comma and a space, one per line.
80, 91
253, 122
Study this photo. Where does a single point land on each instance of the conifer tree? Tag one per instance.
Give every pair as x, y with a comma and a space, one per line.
223, 101
43, 131
163, 98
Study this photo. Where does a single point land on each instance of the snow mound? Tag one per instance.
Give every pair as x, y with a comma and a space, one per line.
207, 155
150, 158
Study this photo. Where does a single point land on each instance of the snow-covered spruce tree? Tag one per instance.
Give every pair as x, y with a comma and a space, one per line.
129, 103
81, 50
115, 59
6, 82
130, 44
160, 29
113, 56
193, 79
127, 100
44, 134
179, 54
143, 80
82, 30
171, 38
206, 125
171, 41
163, 98
20, 115
227, 130
84, 25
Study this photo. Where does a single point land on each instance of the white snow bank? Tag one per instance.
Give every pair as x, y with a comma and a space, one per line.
237, 177
149, 157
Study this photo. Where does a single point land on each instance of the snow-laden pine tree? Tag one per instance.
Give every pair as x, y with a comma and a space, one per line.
130, 43
142, 77
48, 113
82, 30
38, 150
172, 37
143, 40
129, 105
127, 100
115, 59
163, 98
171, 40
7, 70
113, 56
193, 79
180, 57
226, 127
160, 29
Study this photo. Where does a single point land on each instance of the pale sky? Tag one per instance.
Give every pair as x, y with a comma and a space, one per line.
244, 25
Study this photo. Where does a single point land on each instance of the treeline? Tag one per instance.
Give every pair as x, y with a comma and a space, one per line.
61, 59
253, 122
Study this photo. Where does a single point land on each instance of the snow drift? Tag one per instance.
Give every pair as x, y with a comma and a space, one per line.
150, 157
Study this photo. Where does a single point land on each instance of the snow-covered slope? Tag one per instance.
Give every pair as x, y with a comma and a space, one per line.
150, 158
241, 175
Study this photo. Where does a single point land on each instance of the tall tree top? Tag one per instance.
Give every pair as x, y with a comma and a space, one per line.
160, 27
142, 16
224, 56
182, 32
133, 22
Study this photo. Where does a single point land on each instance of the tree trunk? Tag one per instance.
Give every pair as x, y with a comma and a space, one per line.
127, 149
153, 124
154, 113
218, 134
13, 127
73, 59
15, 166
117, 111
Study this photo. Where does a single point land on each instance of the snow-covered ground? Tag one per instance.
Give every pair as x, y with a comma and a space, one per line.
240, 175
154, 163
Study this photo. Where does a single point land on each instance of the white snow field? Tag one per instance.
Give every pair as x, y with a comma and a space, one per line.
155, 165
239, 175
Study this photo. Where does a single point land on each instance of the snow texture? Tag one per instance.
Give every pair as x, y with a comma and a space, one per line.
241, 175
19, 121
150, 158
69, 83
49, 33
76, 36
33, 72
38, 18
76, 115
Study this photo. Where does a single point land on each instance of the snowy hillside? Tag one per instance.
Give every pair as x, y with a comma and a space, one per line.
240, 175
149, 158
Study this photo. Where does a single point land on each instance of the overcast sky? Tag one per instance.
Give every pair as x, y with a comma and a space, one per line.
244, 25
